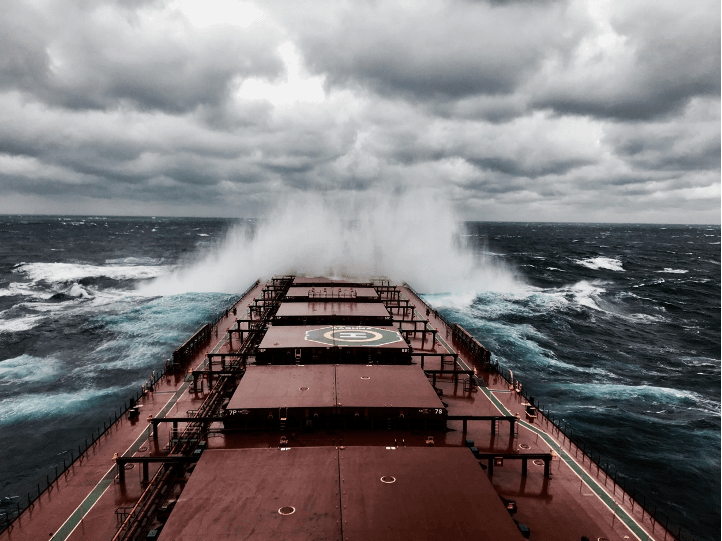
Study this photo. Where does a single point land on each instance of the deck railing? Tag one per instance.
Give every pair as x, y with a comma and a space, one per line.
651, 512
10, 513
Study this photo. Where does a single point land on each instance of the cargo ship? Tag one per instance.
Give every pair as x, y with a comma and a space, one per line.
331, 409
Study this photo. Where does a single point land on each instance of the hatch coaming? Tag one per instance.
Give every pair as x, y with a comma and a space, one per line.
365, 413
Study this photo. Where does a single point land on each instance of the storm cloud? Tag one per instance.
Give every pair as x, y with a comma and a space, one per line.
556, 110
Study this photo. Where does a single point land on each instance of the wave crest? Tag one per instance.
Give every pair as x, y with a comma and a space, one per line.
597, 263
413, 238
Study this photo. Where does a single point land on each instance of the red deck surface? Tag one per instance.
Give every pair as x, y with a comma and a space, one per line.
237, 494
282, 337
332, 309
286, 386
323, 386
361, 292
300, 280
387, 386
438, 493
55, 506
562, 506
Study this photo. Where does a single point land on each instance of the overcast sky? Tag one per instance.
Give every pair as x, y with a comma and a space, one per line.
514, 110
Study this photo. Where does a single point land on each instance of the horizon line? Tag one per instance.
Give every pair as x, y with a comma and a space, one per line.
160, 216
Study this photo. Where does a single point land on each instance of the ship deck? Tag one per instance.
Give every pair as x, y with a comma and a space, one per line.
478, 457
360, 492
337, 387
305, 294
332, 309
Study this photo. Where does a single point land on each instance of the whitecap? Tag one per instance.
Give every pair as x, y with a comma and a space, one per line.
20, 324
70, 272
17, 288
135, 261
48, 405
596, 263
377, 237
585, 293
652, 283
28, 368
647, 318
701, 361
451, 300
554, 362
613, 392
673, 271
78, 291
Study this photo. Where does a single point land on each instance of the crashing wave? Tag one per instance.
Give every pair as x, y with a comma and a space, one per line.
597, 263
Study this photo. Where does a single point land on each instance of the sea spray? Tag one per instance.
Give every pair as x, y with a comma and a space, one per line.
411, 237
636, 375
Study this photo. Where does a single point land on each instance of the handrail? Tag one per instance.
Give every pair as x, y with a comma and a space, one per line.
649, 508
70, 457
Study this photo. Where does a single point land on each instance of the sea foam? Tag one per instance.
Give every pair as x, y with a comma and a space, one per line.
72, 272
20, 324
413, 238
596, 263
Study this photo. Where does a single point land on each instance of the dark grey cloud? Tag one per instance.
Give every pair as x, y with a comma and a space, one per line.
688, 142
568, 109
642, 60
446, 51
101, 55
23, 56
662, 154
657, 57
515, 168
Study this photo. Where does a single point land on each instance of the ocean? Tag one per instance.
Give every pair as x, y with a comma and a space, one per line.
613, 328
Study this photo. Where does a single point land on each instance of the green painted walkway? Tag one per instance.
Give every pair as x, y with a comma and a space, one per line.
92, 498
608, 500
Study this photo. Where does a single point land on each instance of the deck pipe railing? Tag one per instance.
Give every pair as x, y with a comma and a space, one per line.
139, 515
10, 513
649, 509
651, 512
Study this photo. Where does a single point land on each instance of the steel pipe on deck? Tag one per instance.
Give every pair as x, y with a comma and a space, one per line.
546, 457
121, 461
511, 419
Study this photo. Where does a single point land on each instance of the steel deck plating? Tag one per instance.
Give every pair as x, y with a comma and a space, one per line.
361, 432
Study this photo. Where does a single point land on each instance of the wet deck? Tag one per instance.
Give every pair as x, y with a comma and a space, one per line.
340, 293
82, 503
332, 309
322, 336
266, 494
576, 499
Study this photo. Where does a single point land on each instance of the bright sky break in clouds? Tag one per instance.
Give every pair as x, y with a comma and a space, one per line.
513, 110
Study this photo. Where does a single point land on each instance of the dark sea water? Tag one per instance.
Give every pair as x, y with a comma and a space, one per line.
615, 328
